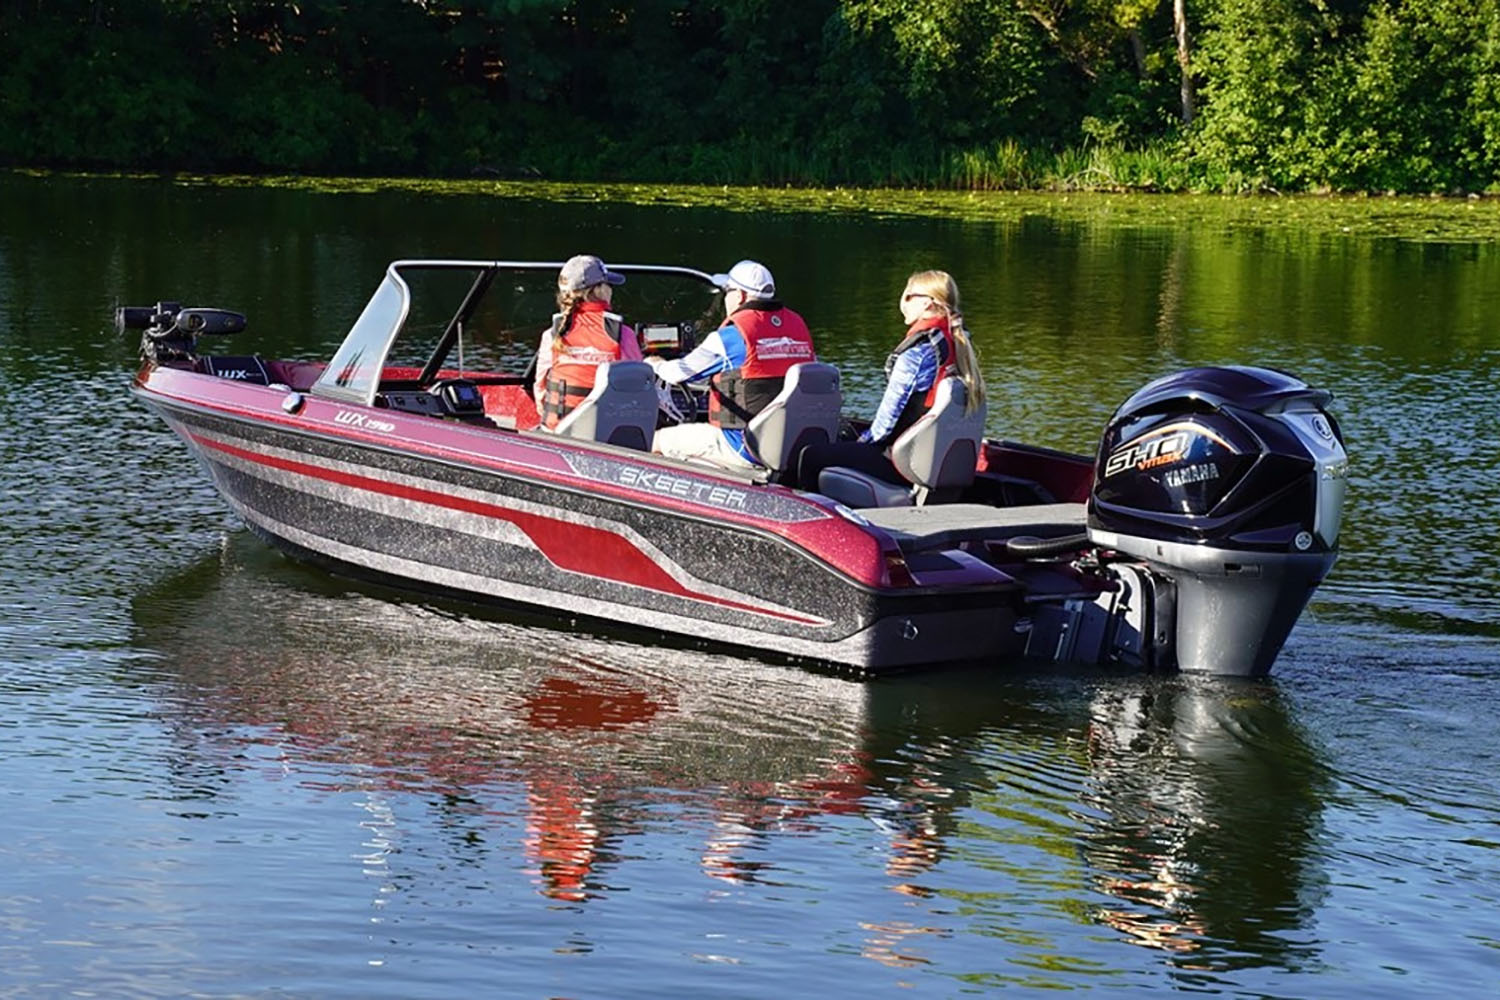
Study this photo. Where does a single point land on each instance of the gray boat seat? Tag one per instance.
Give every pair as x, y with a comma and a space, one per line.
620, 409
805, 412
856, 489
937, 454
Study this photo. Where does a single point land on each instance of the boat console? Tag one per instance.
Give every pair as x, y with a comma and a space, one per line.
447, 397
665, 339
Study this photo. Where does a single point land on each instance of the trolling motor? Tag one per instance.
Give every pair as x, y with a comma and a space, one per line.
170, 333
1215, 512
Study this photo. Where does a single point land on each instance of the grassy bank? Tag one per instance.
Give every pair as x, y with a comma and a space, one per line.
1470, 219
1002, 166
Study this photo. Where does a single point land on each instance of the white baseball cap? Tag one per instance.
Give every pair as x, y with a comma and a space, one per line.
749, 277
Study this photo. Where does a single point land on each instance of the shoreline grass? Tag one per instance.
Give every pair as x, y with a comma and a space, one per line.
1433, 218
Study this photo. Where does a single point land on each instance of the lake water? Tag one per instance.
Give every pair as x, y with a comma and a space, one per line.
224, 774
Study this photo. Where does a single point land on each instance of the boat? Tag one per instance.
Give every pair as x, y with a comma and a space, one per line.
1192, 540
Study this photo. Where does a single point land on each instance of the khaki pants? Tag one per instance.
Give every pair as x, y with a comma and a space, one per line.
699, 443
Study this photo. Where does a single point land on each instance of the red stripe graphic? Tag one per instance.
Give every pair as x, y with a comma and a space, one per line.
577, 548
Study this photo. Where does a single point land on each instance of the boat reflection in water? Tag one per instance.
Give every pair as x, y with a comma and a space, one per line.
582, 739
1210, 803
1182, 812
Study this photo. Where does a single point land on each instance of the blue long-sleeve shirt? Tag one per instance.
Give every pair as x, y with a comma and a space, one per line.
915, 370
722, 350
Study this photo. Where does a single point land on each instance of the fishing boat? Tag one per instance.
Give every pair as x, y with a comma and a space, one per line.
413, 456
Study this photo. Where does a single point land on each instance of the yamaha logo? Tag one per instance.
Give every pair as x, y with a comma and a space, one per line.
775, 320
1320, 426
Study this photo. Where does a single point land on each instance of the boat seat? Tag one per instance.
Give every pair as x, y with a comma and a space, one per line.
620, 409
946, 525
937, 455
856, 489
805, 412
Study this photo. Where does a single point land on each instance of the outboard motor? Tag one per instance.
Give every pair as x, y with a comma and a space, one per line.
170, 332
1228, 485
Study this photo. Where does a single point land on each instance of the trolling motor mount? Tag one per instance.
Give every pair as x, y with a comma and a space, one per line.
170, 332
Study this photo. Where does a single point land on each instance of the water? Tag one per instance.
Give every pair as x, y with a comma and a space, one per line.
224, 774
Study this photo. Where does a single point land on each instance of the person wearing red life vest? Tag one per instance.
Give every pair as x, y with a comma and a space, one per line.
745, 362
936, 345
584, 334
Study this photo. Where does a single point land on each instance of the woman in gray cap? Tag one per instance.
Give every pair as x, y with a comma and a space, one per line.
584, 335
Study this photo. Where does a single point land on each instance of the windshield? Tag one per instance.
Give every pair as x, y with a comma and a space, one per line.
354, 372
487, 318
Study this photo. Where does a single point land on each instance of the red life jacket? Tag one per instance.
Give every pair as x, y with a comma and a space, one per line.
936, 331
581, 342
775, 339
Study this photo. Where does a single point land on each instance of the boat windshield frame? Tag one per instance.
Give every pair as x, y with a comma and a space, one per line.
354, 373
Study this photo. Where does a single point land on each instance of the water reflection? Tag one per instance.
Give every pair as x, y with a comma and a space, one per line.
1209, 800
1181, 815
581, 741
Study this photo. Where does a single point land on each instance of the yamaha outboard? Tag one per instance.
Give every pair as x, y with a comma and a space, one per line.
1216, 507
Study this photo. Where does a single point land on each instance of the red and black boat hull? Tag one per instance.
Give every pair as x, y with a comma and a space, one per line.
579, 530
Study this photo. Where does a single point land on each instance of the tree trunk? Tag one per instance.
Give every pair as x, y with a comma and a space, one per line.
1138, 49
1180, 29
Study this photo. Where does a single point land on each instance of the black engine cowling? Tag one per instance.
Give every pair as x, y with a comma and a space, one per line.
1245, 458
1227, 483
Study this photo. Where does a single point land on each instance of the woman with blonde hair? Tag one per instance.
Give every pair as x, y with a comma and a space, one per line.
936, 345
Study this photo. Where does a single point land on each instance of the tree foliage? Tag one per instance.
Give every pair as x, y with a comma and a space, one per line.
1290, 94
1370, 96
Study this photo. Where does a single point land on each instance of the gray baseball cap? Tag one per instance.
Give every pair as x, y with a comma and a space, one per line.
586, 271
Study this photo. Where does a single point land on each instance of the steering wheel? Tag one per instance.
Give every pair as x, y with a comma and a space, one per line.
678, 403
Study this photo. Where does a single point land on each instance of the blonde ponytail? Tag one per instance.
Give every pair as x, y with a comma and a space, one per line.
966, 360
568, 302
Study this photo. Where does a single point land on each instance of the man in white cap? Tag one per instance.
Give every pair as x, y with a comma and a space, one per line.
745, 361
584, 334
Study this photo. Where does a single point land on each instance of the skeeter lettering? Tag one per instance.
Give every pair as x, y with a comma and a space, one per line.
680, 486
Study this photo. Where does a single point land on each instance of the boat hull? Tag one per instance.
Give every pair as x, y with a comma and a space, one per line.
547, 525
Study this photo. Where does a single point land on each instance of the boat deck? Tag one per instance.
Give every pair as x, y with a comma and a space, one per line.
941, 525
